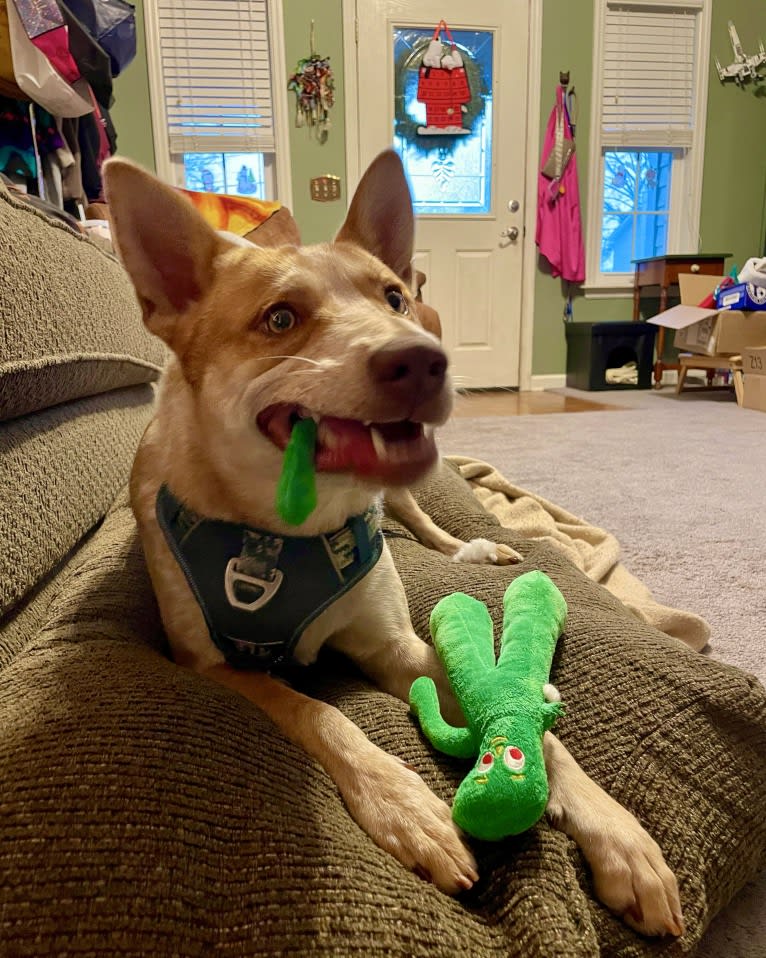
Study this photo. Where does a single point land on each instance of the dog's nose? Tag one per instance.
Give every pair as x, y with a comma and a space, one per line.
409, 370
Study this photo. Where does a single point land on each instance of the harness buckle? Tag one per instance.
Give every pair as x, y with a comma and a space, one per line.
240, 588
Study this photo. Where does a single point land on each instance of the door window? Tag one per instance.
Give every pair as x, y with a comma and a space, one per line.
450, 172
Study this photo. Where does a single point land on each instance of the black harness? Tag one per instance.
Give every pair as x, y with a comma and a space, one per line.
259, 591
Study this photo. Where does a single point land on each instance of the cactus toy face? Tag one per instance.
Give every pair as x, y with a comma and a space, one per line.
506, 791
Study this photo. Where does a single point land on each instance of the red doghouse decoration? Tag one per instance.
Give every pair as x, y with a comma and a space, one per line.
443, 87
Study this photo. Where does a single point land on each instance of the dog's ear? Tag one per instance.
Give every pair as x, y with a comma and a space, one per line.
418, 284
165, 245
380, 217
280, 229
429, 319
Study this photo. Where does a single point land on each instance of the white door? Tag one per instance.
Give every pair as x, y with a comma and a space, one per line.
468, 182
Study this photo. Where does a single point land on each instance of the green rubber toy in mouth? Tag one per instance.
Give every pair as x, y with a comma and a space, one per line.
296, 489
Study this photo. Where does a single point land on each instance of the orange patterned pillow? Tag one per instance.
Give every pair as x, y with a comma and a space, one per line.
236, 214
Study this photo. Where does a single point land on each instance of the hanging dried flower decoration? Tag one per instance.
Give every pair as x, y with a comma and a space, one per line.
314, 88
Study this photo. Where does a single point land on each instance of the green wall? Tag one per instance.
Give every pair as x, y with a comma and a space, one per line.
131, 112
309, 158
734, 186
567, 45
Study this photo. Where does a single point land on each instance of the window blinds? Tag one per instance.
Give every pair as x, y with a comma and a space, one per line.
648, 74
215, 73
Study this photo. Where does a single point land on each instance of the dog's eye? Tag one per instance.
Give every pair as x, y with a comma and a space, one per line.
396, 300
280, 319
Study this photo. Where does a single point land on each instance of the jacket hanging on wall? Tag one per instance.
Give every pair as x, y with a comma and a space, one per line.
45, 27
37, 78
112, 23
559, 223
91, 59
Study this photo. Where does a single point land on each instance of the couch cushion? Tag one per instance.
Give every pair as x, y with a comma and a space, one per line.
70, 325
60, 470
147, 811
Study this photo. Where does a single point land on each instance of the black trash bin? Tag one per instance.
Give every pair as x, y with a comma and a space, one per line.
592, 348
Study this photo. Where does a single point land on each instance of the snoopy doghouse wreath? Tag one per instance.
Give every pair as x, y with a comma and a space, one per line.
449, 84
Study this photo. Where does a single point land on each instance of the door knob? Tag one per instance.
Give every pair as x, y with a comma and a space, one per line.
511, 233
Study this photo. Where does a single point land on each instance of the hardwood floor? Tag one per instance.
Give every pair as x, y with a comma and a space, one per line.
507, 402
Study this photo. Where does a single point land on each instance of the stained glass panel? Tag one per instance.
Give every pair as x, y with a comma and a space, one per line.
450, 173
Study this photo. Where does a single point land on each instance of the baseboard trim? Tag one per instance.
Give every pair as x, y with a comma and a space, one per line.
559, 380
551, 381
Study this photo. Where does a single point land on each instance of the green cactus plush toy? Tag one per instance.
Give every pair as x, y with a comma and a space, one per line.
506, 703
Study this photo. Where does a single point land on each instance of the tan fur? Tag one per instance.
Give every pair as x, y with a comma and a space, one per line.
280, 229
206, 299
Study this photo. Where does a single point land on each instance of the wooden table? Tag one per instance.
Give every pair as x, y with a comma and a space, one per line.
662, 272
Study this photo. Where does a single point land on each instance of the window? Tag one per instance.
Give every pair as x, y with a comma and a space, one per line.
635, 207
214, 110
647, 134
238, 173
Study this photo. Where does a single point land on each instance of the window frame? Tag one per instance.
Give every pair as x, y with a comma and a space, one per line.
169, 166
687, 166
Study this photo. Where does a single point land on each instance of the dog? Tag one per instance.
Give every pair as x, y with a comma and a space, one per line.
263, 336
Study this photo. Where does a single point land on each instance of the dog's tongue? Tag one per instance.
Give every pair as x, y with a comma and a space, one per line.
400, 454
346, 444
392, 453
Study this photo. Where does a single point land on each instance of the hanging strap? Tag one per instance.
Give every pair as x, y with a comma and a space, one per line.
561, 149
558, 138
442, 25
572, 106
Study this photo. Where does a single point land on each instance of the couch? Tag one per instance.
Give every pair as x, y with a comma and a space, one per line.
146, 811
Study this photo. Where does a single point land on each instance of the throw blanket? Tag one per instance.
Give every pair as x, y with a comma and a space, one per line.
593, 550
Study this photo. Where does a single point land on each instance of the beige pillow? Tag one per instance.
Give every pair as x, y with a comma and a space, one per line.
70, 325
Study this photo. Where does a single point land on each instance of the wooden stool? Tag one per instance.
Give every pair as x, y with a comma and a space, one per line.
732, 364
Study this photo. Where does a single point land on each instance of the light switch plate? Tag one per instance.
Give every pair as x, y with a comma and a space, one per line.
325, 189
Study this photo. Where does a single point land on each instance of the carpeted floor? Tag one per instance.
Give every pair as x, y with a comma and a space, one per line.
681, 482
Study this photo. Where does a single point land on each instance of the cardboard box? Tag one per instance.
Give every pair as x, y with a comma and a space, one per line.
754, 384
710, 332
742, 296
754, 394
754, 361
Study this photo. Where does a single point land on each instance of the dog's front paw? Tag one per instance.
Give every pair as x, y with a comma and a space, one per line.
631, 877
401, 814
482, 551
